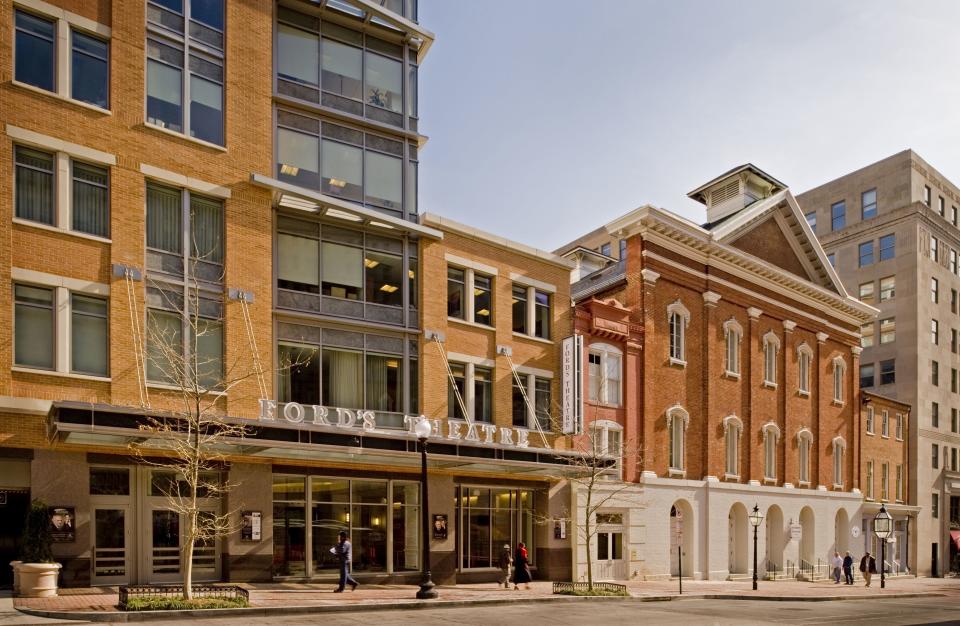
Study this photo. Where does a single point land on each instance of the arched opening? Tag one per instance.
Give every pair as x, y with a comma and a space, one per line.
775, 539
808, 540
738, 539
681, 535
841, 532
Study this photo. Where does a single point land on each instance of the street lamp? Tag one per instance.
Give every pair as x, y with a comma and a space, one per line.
882, 528
422, 430
755, 518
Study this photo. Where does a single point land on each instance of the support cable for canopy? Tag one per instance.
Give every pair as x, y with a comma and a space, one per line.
257, 362
138, 349
453, 382
532, 410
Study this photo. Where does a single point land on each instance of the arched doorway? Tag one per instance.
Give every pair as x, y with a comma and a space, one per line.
808, 536
841, 532
738, 539
775, 539
681, 534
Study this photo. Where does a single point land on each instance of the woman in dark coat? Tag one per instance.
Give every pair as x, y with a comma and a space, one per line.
521, 567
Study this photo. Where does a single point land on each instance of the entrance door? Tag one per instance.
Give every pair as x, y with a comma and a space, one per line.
112, 535
163, 558
13, 512
731, 544
610, 562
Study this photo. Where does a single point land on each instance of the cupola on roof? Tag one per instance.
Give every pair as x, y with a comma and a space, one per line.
735, 189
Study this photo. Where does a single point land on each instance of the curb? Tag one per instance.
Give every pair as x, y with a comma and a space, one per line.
151, 616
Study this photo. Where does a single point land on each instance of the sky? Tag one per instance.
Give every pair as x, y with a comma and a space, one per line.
548, 118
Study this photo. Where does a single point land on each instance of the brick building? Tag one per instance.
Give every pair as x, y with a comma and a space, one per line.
738, 344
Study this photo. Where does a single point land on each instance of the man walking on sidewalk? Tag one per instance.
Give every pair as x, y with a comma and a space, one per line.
837, 563
847, 568
506, 560
344, 551
868, 565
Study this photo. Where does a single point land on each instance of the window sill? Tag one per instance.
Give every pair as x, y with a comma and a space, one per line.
769, 481
676, 473
871, 433
604, 405
899, 438
803, 394
63, 231
457, 320
731, 375
839, 403
533, 338
884, 436
90, 377
677, 362
732, 477
166, 387
803, 484
62, 98
769, 385
837, 487
173, 133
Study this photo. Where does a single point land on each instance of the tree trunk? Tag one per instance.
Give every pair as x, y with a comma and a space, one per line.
588, 535
188, 570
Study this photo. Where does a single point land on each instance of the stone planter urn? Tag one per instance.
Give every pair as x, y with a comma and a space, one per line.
37, 580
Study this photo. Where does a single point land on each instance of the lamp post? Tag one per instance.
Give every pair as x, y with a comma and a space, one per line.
422, 430
882, 528
755, 518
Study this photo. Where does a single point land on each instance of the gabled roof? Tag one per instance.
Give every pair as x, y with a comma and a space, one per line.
697, 194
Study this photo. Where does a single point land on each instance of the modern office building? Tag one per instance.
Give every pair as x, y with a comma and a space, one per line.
891, 230
727, 354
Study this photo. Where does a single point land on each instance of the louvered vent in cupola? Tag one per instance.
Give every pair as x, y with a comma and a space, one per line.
724, 193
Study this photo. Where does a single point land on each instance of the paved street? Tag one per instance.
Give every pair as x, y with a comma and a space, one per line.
699, 612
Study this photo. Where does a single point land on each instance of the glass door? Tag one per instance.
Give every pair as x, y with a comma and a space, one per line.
112, 542
164, 556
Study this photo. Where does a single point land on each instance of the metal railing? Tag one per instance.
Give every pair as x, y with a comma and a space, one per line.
228, 592
567, 588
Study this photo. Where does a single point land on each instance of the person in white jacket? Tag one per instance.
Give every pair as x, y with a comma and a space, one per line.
837, 563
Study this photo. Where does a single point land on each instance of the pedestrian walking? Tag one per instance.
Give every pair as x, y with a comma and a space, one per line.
344, 552
506, 560
837, 563
847, 568
521, 567
868, 565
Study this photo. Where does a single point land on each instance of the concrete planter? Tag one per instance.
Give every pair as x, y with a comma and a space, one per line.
16, 576
38, 580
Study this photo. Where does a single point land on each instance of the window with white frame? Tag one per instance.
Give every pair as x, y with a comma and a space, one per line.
678, 317
536, 390
839, 367
531, 311
771, 434
733, 332
771, 345
884, 423
839, 447
899, 427
899, 483
607, 439
804, 358
868, 487
605, 373
469, 295
804, 443
472, 386
733, 428
870, 414
884, 481
677, 419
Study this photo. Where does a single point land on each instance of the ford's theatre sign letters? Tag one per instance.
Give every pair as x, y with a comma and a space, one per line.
353, 419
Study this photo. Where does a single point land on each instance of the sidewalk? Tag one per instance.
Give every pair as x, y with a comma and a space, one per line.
99, 604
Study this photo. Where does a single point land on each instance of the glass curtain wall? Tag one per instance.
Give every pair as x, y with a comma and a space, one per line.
488, 518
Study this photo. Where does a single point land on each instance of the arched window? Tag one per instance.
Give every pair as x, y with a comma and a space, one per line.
733, 332
605, 373
607, 440
733, 428
771, 345
677, 419
839, 368
839, 447
678, 317
771, 433
804, 443
804, 358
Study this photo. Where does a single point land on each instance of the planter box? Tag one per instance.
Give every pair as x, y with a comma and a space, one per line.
569, 588
38, 580
230, 592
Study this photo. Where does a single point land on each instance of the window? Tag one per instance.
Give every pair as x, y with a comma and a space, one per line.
623, 249
770, 435
953, 459
456, 286
867, 292
935, 456
804, 442
953, 340
733, 332
942, 207
812, 220
868, 487
934, 249
953, 261
888, 247
884, 481
34, 326
934, 332
494, 516
866, 375
168, 209
35, 193
935, 415
899, 483
90, 75
457, 392
478, 308
185, 61
884, 423
677, 419
91, 200
870, 416
953, 215
934, 290
888, 372
482, 299
734, 430
35, 51
832, 258
868, 202
804, 358
866, 253
867, 335
953, 379
953, 422
88, 335
542, 402
527, 318
479, 381
888, 288
899, 425
678, 317
535, 391
541, 326
482, 394
839, 447
607, 438
839, 367
605, 249
935, 373
838, 215
926, 195
888, 330
935, 506
771, 345
953, 301
605, 367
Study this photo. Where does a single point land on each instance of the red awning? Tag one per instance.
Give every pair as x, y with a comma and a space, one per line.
955, 535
